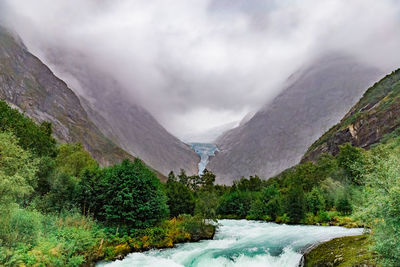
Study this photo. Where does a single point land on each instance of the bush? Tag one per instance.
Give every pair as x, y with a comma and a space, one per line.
324, 216
283, 219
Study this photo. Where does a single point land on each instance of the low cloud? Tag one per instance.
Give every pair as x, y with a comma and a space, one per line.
199, 64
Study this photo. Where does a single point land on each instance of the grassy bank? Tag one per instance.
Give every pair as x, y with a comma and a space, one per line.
343, 252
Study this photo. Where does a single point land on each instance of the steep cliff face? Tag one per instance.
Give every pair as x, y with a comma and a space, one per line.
277, 136
123, 121
29, 85
373, 118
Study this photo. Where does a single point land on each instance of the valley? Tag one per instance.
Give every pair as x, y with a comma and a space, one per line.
210, 133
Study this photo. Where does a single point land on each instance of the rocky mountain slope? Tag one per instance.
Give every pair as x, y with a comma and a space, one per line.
126, 123
108, 125
277, 136
29, 85
374, 118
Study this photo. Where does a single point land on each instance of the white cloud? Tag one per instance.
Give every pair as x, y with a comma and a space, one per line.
197, 64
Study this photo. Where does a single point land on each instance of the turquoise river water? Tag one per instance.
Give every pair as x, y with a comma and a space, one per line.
241, 243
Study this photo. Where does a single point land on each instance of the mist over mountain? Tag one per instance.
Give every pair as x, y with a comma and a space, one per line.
152, 75
277, 136
198, 65
129, 125
29, 85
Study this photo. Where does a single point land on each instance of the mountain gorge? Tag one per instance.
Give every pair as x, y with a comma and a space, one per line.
278, 135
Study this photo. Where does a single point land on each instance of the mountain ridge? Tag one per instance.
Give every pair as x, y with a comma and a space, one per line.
278, 135
29, 85
368, 122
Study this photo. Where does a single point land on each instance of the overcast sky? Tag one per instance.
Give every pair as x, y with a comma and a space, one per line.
198, 65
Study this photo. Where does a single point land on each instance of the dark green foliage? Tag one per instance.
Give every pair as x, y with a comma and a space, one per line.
315, 201
343, 204
351, 160
267, 204
46, 168
180, 198
207, 180
257, 210
296, 205
62, 194
307, 175
206, 204
90, 192
133, 195
254, 183
183, 178
235, 203
273, 208
31, 136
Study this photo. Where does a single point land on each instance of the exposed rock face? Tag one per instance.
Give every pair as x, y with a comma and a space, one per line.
374, 116
29, 85
126, 123
277, 136
104, 124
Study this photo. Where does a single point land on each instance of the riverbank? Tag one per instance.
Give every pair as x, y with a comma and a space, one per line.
342, 252
177, 230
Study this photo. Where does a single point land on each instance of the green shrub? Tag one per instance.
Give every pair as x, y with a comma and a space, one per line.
283, 219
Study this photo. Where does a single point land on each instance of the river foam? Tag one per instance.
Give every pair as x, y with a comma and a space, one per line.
241, 243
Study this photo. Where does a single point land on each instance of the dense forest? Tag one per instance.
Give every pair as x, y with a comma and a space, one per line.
60, 208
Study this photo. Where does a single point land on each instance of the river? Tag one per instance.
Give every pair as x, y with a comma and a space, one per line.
241, 243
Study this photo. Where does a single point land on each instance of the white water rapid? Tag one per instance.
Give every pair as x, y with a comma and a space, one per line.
241, 243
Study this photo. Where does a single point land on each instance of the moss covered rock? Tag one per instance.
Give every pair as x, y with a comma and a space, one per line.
343, 252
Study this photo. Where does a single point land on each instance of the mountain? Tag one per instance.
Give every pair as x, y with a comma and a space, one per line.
107, 123
375, 118
117, 115
278, 135
30, 86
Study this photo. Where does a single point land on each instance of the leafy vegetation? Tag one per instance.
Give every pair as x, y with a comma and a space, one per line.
59, 208
36, 139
